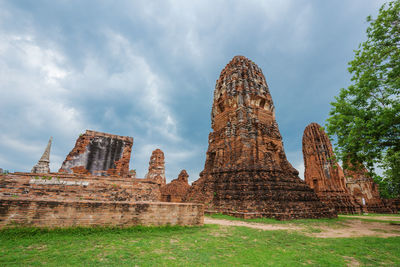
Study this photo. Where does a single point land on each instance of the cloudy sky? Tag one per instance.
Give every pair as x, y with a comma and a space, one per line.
147, 69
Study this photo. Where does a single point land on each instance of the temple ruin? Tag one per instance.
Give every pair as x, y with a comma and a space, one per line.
100, 154
365, 191
177, 189
246, 173
156, 171
93, 187
323, 173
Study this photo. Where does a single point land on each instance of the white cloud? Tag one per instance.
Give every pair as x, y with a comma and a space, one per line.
18, 145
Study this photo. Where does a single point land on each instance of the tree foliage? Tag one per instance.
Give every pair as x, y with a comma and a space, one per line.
365, 117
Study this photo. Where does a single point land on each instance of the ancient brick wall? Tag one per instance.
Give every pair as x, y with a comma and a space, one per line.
365, 191
323, 174
99, 153
54, 213
246, 172
74, 187
392, 204
177, 189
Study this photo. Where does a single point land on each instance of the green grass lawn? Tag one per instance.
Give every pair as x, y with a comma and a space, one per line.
209, 245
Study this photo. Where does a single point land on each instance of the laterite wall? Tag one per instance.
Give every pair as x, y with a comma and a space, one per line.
47, 213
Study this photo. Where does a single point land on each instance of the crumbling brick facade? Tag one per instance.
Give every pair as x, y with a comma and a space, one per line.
54, 213
392, 204
156, 171
99, 153
75, 187
177, 189
365, 191
323, 174
246, 173
59, 200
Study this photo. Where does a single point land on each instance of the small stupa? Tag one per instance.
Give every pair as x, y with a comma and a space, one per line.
43, 164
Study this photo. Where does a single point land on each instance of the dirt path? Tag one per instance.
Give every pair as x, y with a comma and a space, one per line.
261, 226
350, 228
356, 228
381, 218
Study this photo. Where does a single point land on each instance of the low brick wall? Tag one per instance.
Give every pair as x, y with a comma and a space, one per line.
74, 187
54, 213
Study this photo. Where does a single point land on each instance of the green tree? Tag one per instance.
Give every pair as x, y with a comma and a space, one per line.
365, 117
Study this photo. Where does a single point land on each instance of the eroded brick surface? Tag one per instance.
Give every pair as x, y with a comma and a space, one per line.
246, 172
156, 171
55, 213
75, 187
323, 174
59, 199
100, 154
177, 189
365, 191
392, 204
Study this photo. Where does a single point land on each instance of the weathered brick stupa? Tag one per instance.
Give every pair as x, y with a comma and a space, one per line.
323, 174
177, 189
246, 173
156, 171
100, 154
365, 191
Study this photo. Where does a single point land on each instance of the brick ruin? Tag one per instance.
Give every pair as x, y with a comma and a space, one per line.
393, 204
323, 174
365, 191
43, 165
177, 189
93, 187
55, 213
77, 187
156, 171
246, 173
99, 153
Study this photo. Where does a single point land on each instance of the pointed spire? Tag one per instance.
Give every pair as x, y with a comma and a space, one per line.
43, 165
46, 154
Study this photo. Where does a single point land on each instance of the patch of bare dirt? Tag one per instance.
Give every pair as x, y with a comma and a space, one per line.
261, 226
351, 261
351, 228
381, 218
356, 228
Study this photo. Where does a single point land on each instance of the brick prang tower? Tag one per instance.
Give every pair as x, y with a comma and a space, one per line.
323, 174
246, 173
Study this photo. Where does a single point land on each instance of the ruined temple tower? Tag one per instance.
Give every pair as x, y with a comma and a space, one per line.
157, 167
176, 190
323, 174
99, 154
363, 188
246, 173
43, 164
